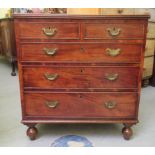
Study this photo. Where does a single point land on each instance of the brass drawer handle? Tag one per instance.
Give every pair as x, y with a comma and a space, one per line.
51, 77
113, 52
50, 52
52, 104
114, 31
110, 104
111, 77
49, 31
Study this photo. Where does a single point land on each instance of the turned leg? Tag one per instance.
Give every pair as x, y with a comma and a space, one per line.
13, 64
127, 131
32, 132
145, 82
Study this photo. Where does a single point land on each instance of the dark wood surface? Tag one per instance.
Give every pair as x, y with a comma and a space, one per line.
80, 52
81, 77
31, 30
81, 88
81, 105
8, 42
99, 30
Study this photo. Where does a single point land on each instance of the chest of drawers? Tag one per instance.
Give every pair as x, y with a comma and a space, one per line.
80, 69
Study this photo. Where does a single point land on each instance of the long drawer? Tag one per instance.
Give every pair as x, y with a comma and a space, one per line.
81, 104
81, 52
80, 77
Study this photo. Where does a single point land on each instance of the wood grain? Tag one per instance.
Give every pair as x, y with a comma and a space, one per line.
81, 52
81, 105
81, 77
99, 30
34, 30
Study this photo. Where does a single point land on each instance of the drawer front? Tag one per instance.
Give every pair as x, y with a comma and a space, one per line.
151, 30
81, 104
71, 52
49, 30
109, 30
81, 77
148, 66
150, 47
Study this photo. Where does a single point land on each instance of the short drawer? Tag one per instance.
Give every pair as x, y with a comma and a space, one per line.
49, 30
81, 52
80, 77
109, 30
81, 105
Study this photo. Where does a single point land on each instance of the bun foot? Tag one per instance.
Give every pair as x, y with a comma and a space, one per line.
32, 133
13, 73
127, 132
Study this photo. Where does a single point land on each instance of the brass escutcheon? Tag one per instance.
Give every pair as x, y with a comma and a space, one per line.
110, 104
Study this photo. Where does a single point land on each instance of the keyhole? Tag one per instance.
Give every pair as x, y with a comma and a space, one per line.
81, 70
80, 96
81, 49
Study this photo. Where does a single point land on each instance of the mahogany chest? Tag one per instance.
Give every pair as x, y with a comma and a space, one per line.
80, 69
